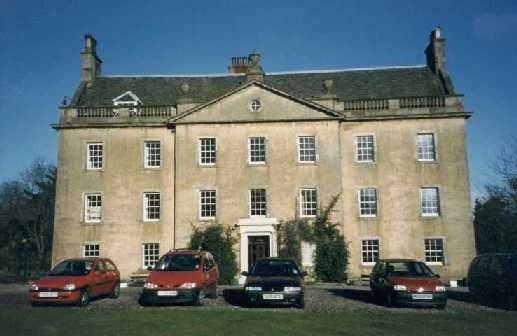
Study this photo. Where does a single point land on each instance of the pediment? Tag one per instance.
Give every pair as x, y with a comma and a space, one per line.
127, 97
255, 102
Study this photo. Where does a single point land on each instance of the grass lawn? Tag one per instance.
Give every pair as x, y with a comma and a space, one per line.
66, 321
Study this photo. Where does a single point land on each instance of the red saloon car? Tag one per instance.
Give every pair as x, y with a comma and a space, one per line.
181, 276
75, 281
407, 282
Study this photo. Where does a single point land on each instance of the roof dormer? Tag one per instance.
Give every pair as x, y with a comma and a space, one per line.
128, 98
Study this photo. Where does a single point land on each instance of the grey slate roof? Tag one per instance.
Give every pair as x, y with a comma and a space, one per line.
348, 85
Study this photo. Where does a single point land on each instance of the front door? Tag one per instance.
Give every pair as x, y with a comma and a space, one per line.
258, 248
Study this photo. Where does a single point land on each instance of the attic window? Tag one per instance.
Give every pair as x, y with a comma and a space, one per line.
127, 99
255, 105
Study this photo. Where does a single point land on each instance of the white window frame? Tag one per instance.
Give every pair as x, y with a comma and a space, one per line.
146, 259
91, 244
200, 150
304, 204
434, 142
250, 204
201, 204
146, 206
373, 148
360, 202
150, 157
438, 205
88, 207
89, 164
299, 149
444, 256
369, 250
253, 105
252, 151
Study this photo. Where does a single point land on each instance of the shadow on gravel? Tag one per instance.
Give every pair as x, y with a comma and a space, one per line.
460, 296
235, 296
355, 294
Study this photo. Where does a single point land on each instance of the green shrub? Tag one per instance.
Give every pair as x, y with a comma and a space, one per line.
219, 241
331, 259
290, 234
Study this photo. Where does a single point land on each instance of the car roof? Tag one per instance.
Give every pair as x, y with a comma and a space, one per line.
186, 252
397, 260
277, 259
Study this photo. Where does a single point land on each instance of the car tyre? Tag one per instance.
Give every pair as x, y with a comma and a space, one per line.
115, 291
199, 298
213, 292
301, 303
84, 299
442, 306
388, 300
143, 302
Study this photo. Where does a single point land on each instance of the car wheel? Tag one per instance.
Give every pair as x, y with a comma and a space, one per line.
213, 292
442, 306
115, 292
388, 300
301, 303
35, 304
199, 298
143, 302
84, 299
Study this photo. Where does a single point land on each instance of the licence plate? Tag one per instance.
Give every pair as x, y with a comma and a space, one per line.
47, 294
422, 296
167, 293
273, 296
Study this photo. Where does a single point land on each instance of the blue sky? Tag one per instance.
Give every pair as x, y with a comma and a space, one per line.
40, 43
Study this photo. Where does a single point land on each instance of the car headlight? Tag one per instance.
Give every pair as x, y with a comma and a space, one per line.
33, 287
292, 289
440, 289
253, 288
69, 287
188, 285
150, 285
399, 287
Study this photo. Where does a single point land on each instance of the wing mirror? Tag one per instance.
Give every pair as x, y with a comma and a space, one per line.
303, 274
149, 268
244, 273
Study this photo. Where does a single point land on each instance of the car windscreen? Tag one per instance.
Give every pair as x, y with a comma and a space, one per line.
72, 268
275, 268
178, 263
408, 268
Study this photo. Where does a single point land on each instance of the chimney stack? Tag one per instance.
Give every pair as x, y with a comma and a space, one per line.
435, 55
90, 62
248, 65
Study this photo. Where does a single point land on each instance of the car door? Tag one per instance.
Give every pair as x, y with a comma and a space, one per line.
112, 274
99, 279
214, 269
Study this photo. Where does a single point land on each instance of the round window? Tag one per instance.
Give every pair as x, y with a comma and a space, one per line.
255, 105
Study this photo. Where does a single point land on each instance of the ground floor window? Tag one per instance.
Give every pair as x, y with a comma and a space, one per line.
369, 251
150, 254
91, 250
434, 252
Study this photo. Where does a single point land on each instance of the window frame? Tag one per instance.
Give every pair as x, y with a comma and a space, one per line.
250, 208
85, 244
370, 251
252, 103
199, 150
145, 210
444, 247
373, 150
89, 156
438, 201
264, 144
86, 207
144, 266
302, 202
200, 204
299, 149
147, 154
434, 140
359, 202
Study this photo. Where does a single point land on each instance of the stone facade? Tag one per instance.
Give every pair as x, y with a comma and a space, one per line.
367, 127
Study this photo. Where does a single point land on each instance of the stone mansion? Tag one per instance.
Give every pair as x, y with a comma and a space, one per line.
143, 159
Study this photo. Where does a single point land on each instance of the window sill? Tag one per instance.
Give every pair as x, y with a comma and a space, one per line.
256, 164
147, 221
207, 165
91, 223
368, 264
429, 218
206, 219
433, 263
152, 168
431, 162
94, 169
314, 163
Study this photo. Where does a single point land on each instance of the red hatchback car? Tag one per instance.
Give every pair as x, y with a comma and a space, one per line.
75, 281
407, 282
181, 276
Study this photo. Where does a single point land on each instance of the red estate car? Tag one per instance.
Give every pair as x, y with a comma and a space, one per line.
76, 281
181, 276
407, 282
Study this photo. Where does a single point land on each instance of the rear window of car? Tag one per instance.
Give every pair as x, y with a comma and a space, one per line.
72, 268
178, 263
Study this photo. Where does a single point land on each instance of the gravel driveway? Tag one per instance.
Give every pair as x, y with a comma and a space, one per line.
318, 298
